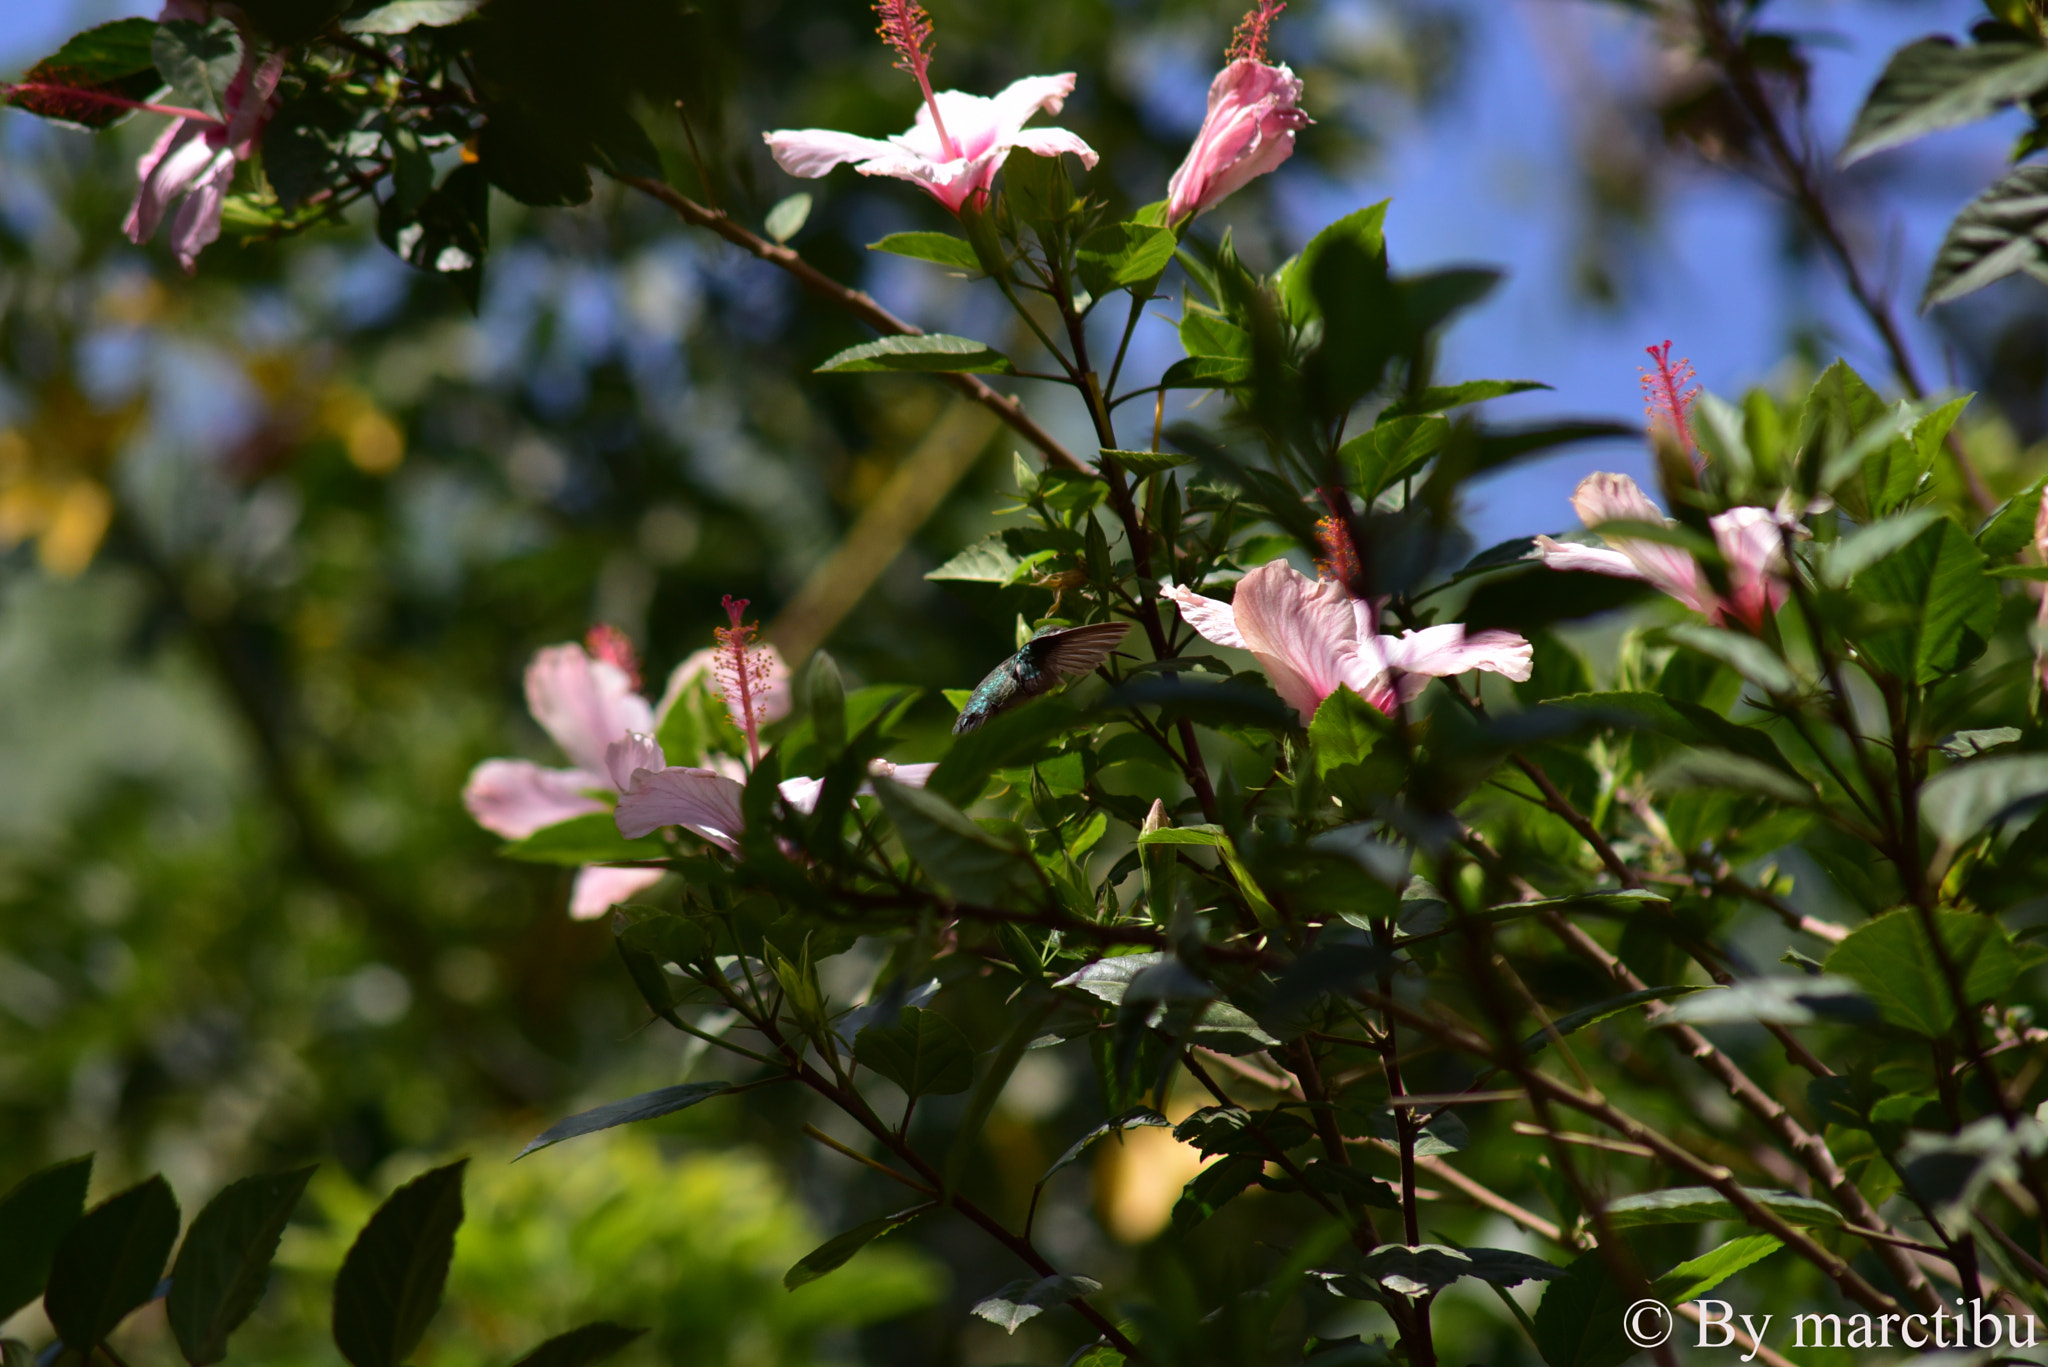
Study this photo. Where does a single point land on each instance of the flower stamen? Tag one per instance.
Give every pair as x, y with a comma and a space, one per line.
1668, 397
907, 28
606, 642
745, 671
1248, 42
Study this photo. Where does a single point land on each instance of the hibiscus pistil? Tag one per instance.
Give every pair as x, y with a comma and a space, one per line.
744, 671
1668, 396
907, 28
1248, 41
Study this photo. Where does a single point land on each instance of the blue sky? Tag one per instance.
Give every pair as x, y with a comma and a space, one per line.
1482, 180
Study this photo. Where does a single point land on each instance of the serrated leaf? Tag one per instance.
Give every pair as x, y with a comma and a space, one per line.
390, 1283
109, 1262
1942, 607
403, 16
2002, 231
1895, 963
921, 1051
1698, 1205
581, 1346
1215, 1187
989, 562
646, 1106
931, 352
1140, 1117
224, 1264
1750, 658
93, 80
199, 60
1696, 1276
1934, 84
37, 1213
1020, 1300
837, 1251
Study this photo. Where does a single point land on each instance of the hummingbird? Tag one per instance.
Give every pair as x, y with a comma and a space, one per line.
1038, 667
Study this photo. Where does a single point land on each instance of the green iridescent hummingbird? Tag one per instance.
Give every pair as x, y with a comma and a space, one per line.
1038, 667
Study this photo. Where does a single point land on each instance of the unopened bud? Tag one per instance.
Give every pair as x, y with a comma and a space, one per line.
1156, 819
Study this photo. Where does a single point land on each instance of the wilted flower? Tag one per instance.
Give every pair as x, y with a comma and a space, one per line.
196, 157
958, 142
586, 700
1311, 638
1254, 113
1751, 541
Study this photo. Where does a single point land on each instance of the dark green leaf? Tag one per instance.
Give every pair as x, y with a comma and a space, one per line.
449, 233
390, 1283
959, 856
37, 1213
646, 1106
1939, 605
1726, 771
1579, 1323
1698, 1205
925, 352
942, 249
1683, 721
1447, 397
922, 1052
592, 839
581, 1346
1119, 255
110, 1261
224, 1263
114, 60
1418, 1269
1214, 1187
1138, 1118
836, 1252
2003, 230
1393, 449
1933, 84
1147, 462
1895, 962
199, 60
1746, 655
1962, 801
1022, 1299
1234, 1130
1207, 372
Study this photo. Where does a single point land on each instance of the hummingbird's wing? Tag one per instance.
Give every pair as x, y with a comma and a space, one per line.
1077, 650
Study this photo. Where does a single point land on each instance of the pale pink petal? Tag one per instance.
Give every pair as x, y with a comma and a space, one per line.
1604, 497
598, 889
1570, 555
198, 220
1617, 498
1051, 142
1249, 129
623, 758
248, 102
1300, 630
1437, 652
811, 152
1019, 100
695, 799
584, 704
513, 798
178, 157
1211, 618
909, 775
801, 793
1752, 542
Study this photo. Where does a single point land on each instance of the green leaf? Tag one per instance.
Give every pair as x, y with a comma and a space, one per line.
1147, 462
1685, 722
1393, 449
1965, 799
1895, 962
403, 16
2002, 231
581, 1346
1746, 655
1697, 1276
1207, 372
1970, 744
1942, 606
963, 859
448, 234
837, 1251
591, 839
1573, 1021
110, 1262
1698, 1205
1021, 1299
1364, 228
1215, 1187
646, 1106
1843, 560
1727, 771
1579, 1322
922, 1052
942, 249
114, 60
224, 1263
1441, 399
1933, 84
1411, 1270
37, 1213
924, 352
1800, 1000
1140, 1117
989, 562
1119, 255
390, 1283
786, 219
199, 60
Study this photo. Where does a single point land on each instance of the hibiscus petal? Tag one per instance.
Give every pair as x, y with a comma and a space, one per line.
1210, 617
178, 157
1607, 497
513, 798
1752, 542
811, 152
597, 889
1051, 142
584, 704
198, 220
909, 775
1436, 652
1301, 629
1604, 497
624, 758
1570, 555
1018, 101
801, 793
695, 799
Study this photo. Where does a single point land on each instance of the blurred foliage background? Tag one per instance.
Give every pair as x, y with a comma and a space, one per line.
277, 541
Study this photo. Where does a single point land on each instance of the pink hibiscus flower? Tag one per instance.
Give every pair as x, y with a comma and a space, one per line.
1311, 638
1254, 113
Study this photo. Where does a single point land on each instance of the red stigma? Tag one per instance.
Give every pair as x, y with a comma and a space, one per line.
1339, 558
1668, 396
744, 672
606, 642
1248, 42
